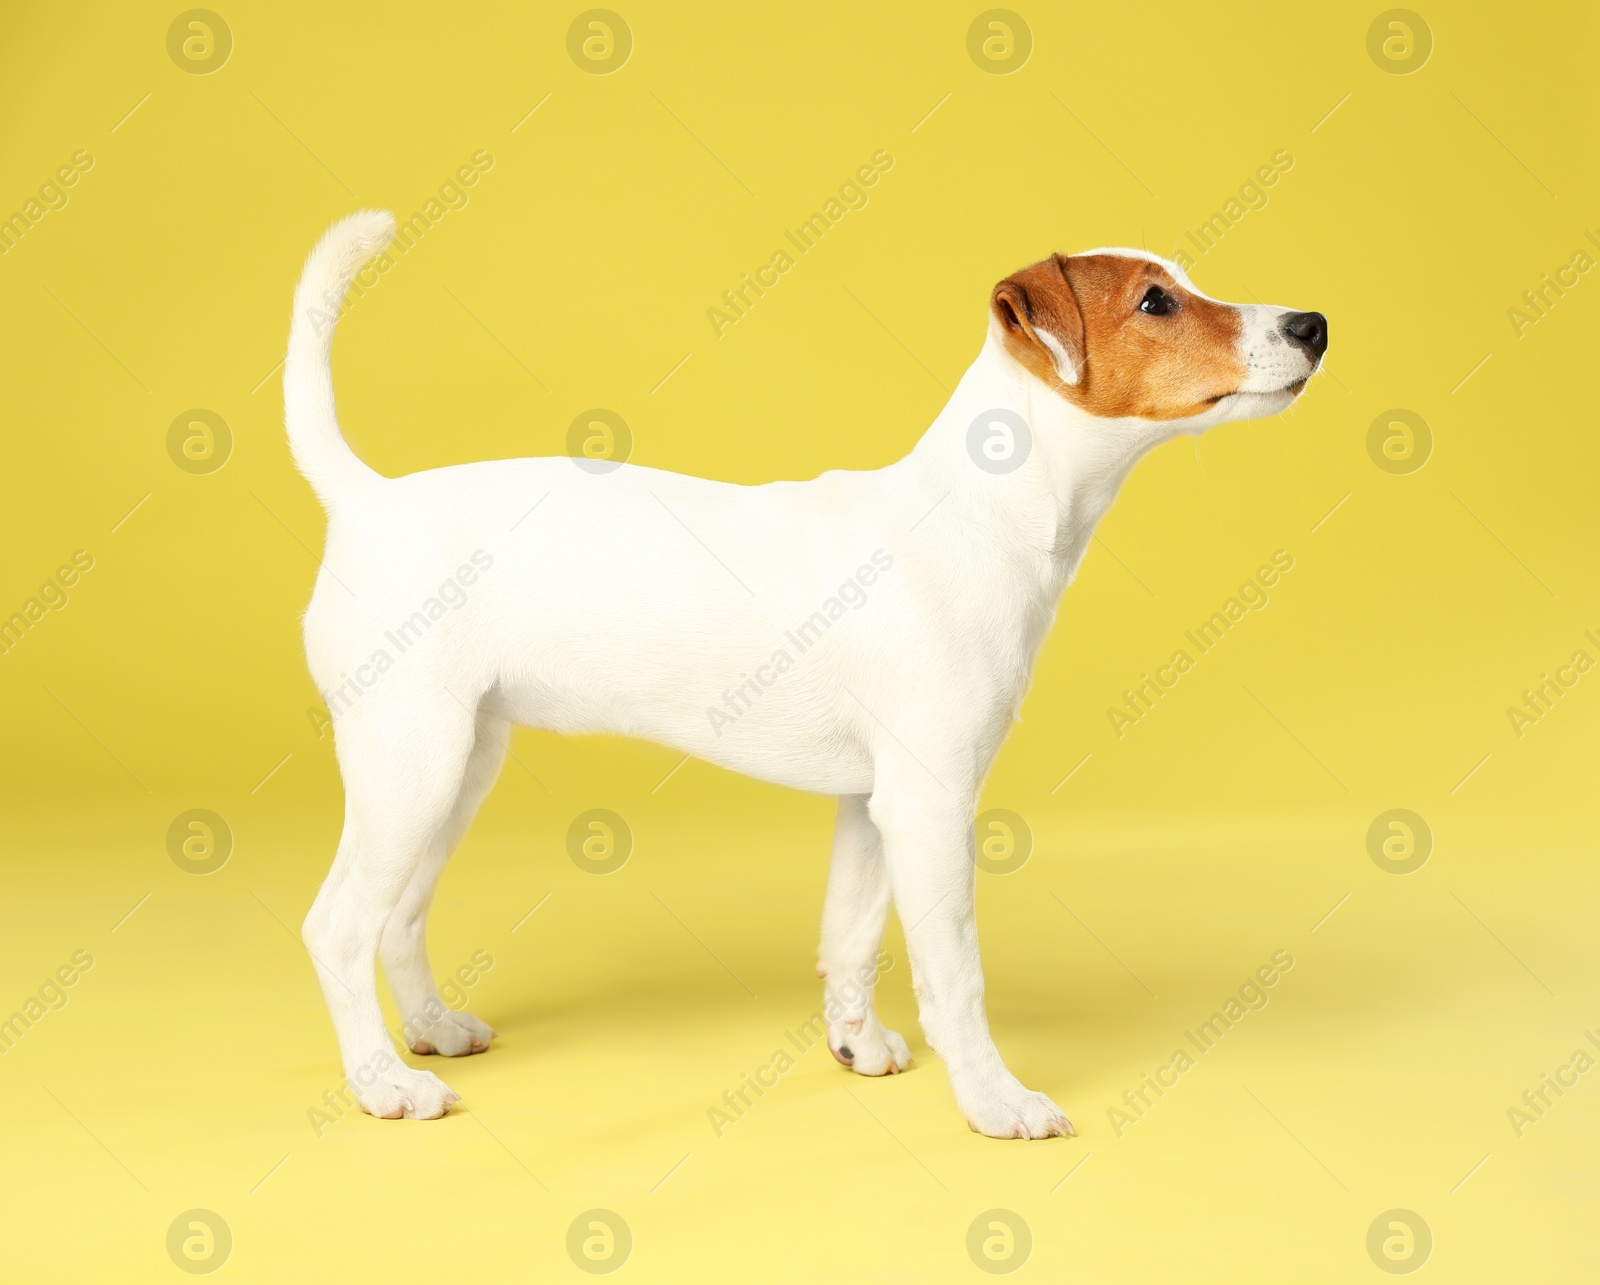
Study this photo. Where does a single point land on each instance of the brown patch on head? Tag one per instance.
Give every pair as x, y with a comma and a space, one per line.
1076, 324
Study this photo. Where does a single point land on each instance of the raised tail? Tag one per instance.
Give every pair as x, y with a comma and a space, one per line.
320, 451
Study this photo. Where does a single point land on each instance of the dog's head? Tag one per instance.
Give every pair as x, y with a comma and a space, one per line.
1124, 335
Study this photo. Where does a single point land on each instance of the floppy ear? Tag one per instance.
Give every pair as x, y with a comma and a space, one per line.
1039, 318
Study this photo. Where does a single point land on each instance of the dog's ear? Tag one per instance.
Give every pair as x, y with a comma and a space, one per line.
1040, 321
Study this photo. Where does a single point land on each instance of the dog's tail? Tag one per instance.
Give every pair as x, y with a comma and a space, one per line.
319, 449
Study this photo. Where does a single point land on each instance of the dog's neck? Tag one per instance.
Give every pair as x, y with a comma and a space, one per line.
1039, 517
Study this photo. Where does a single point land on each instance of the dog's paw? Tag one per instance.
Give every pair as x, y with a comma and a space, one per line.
400, 1092
867, 1047
1008, 1110
453, 1035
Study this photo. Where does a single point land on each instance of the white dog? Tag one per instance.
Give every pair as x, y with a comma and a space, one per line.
863, 634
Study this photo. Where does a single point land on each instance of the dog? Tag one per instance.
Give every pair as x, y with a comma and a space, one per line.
868, 635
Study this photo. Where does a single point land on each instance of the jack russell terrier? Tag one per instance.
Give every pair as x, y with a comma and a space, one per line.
597, 597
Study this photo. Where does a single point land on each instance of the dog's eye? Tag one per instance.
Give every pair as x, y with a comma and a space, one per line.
1157, 302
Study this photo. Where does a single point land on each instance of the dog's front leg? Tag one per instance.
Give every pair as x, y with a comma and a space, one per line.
853, 916
927, 837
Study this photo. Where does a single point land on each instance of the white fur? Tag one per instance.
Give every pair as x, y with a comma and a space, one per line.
1066, 369
633, 602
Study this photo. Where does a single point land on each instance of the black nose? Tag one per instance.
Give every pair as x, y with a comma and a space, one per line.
1307, 329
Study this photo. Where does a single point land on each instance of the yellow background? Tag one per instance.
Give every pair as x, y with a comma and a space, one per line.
1173, 862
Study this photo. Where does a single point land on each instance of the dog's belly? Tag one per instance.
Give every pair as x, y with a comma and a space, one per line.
780, 743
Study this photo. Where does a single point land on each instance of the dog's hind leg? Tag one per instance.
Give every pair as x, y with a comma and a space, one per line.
403, 755
853, 915
429, 1025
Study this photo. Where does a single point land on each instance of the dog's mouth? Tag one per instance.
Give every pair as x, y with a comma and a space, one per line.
1294, 389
